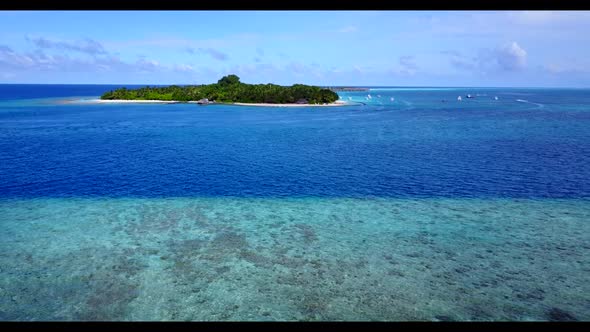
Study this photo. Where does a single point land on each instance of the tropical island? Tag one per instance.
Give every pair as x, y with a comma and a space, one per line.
229, 89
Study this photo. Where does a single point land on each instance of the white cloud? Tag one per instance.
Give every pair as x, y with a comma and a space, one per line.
235, 40
88, 46
145, 65
41, 61
184, 68
507, 57
511, 56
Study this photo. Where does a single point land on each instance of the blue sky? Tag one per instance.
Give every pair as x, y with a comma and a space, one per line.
393, 48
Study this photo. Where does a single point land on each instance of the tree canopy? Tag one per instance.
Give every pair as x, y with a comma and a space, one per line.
229, 89
229, 80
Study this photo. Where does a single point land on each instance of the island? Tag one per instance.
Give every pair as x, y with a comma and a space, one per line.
229, 89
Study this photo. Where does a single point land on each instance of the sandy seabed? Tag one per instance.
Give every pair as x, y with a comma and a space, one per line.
264, 259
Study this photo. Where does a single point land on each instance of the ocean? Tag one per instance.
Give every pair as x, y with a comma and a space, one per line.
408, 205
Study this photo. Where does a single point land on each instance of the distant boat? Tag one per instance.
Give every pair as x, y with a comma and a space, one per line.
459, 98
368, 96
392, 99
469, 96
496, 98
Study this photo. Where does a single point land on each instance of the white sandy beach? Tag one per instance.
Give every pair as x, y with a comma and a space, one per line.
337, 103
123, 101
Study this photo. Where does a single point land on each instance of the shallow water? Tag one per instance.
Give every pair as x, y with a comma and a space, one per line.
293, 259
414, 209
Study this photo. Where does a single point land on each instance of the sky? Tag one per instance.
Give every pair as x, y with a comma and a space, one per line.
328, 48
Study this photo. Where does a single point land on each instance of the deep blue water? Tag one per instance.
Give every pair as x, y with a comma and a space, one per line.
528, 143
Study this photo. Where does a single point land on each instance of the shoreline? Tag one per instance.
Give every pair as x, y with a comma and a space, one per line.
121, 101
125, 101
336, 103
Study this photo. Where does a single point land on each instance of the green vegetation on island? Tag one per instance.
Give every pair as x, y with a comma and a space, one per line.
229, 89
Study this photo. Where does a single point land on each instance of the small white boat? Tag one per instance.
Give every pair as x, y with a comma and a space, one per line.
368, 96
392, 99
459, 98
469, 96
496, 98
